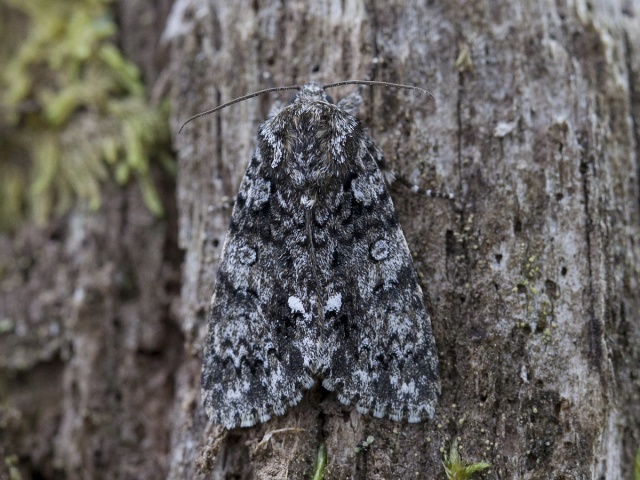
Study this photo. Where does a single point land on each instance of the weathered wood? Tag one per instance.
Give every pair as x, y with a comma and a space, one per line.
531, 276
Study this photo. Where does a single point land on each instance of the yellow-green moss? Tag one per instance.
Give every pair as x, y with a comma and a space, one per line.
456, 469
75, 109
11, 463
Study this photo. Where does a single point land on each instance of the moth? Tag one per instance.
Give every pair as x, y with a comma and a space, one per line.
316, 282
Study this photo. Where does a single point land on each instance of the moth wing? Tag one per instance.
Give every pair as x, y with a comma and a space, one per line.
254, 366
382, 354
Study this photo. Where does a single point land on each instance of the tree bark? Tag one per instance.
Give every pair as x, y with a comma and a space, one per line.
531, 275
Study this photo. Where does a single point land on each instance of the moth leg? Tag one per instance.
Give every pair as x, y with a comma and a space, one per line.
391, 178
421, 191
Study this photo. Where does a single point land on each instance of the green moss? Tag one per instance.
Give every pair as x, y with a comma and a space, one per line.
456, 469
365, 444
76, 111
11, 463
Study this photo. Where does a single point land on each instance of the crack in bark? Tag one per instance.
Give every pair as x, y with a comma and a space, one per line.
594, 324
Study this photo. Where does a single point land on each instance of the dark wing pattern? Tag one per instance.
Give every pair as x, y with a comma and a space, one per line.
383, 358
316, 280
254, 362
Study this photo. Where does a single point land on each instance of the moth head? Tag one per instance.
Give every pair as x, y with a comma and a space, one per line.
311, 92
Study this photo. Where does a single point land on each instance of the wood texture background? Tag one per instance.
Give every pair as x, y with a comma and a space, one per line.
531, 275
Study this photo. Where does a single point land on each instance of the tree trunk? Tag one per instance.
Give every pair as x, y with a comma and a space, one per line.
530, 275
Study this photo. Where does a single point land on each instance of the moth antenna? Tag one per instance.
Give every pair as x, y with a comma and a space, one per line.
240, 99
382, 84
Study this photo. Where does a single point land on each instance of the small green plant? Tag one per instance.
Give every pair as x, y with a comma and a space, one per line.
321, 462
636, 466
455, 467
365, 444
